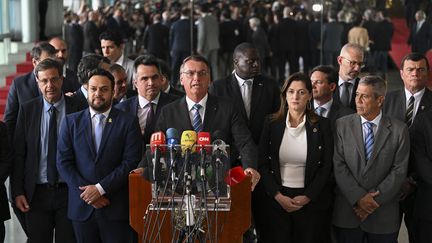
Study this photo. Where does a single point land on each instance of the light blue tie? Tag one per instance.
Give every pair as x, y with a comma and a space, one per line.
98, 130
320, 110
369, 139
197, 122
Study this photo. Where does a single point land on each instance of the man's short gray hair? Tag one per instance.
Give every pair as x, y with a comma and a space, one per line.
378, 84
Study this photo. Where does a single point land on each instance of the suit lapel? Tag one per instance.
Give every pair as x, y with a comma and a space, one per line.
237, 94
425, 102
88, 131
257, 90
357, 135
210, 111
277, 132
34, 86
107, 130
183, 115
36, 129
380, 139
134, 106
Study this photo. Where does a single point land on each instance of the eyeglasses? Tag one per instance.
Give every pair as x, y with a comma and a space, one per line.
53, 80
191, 74
354, 63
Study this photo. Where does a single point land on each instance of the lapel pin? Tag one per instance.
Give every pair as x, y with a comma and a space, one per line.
422, 107
109, 120
260, 84
315, 130
319, 147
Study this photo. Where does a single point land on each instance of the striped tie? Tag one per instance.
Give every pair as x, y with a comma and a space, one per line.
409, 111
369, 139
197, 122
320, 110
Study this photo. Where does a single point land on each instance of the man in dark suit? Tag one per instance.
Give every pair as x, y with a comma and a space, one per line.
421, 134
166, 86
150, 100
91, 34
6, 159
25, 88
214, 113
97, 149
421, 34
382, 36
324, 82
70, 81
405, 104
350, 63
255, 102
370, 164
179, 43
156, 37
229, 38
331, 40
37, 189
87, 64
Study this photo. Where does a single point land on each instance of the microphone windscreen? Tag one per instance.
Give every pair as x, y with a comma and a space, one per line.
204, 140
172, 136
188, 140
156, 139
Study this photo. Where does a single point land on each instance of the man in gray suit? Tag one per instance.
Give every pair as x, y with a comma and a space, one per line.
208, 38
406, 104
370, 165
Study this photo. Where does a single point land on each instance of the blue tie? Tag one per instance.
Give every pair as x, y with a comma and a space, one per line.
369, 139
52, 174
98, 130
197, 122
320, 110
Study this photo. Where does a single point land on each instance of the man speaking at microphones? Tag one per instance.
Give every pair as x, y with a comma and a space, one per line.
202, 112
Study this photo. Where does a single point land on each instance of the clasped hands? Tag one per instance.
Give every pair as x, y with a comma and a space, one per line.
91, 196
291, 204
366, 205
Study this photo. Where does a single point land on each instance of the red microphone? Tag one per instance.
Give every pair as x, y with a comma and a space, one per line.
203, 141
157, 139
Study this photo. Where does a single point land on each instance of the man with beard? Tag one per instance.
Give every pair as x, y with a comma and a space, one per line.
350, 63
70, 83
97, 149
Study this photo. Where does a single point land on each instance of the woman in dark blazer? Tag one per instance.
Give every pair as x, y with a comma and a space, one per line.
296, 151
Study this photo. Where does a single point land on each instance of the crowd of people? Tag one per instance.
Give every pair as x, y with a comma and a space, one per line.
333, 156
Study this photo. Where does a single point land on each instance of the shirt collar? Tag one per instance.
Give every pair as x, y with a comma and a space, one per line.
326, 106
120, 60
58, 105
143, 101
167, 90
341, 81
84, 91
417, 96
375, 121
240, 80
93, 112
202, 102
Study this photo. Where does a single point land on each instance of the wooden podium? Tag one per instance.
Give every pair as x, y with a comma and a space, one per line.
231, 224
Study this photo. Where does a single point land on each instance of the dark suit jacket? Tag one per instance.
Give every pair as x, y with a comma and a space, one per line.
79, 164
220, 115
131, 106
332, 35
421, 157
179, 37
27, 146
91, 37
336, 95
76, 46
23, 88
70, 82
156, 38
6, 157
420, 41
80, 99
318, 182
395, 104
176, 92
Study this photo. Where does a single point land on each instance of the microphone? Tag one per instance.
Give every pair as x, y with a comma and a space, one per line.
172, 140
203, 141
188, 140
157, 139
219, 149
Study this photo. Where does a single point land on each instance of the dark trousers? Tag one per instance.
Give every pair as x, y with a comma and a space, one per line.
407, 211
423, 231
48, 211
306, 225
98, 229
357, 235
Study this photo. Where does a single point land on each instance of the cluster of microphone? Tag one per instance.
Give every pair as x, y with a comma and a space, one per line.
192, 151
